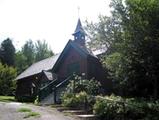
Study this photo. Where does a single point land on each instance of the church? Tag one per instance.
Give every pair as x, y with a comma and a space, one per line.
48, 78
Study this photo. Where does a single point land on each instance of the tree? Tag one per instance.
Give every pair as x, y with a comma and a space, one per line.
134, 43
42, 50
21, 62
7, 75
7, 52
28, 51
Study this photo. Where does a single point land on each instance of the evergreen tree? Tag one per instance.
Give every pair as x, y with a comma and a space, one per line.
7, 52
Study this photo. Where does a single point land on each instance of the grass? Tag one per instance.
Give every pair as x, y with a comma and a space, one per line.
32, 114
29, 112
7, 98
24, 110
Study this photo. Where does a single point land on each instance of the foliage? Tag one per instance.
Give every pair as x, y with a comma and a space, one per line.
70, 100
78, 100
91, 87
21, 62
79, 93
7, 75
7, 52
116, 108
32, 52
42, 50
130, 36
28, 52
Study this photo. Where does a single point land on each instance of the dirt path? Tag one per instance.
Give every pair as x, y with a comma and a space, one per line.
8, 111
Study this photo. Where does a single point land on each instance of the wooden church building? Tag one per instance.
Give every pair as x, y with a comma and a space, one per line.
47, 78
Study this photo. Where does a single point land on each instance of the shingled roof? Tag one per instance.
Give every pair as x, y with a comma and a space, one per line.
38, 67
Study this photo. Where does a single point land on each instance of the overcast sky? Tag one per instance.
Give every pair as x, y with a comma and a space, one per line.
50, 20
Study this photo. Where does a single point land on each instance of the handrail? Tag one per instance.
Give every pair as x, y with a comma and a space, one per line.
46, 90
48, 84
61, 83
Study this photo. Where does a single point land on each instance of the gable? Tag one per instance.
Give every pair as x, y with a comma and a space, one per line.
72, 61
70, 46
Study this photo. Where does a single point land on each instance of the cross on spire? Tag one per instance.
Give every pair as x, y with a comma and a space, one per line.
78, 11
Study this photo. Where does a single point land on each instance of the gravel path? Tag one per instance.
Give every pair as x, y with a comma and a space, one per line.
8, 111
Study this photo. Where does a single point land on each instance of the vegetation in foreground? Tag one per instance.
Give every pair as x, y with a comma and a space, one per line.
81, 96
7, 98
118, 108
29, 112
130, 37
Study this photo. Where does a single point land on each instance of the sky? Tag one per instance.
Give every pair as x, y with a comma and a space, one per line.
50, 20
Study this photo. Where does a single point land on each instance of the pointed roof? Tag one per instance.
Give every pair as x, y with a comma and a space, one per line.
52, 62
79, 27
82, 51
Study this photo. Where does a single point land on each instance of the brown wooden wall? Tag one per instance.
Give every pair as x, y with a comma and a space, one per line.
72, 57
24, 87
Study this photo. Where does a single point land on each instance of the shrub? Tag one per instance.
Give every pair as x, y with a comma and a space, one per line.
79, 100
69, 100
116, 108
77, 85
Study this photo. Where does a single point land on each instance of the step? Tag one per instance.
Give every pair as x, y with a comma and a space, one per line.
87, 117
75, 112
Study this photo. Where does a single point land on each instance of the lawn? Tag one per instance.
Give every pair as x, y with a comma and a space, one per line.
7, 98
29, 112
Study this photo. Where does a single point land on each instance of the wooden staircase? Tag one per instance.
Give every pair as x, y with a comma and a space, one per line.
49, 94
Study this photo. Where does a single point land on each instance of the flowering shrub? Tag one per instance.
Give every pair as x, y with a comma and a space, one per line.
118, 108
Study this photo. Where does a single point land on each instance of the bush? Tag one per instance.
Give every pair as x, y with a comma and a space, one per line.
117, 108
74, 100
79, 100
7, 75
77, 85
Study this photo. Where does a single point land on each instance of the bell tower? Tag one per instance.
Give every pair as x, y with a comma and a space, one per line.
79, 34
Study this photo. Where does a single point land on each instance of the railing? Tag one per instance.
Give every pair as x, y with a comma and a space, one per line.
46, 90
52, 86
63, 82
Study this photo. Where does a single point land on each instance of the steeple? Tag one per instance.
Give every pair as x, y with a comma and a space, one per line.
79, 34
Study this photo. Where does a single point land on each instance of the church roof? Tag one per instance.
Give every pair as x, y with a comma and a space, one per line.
79, 27
81, 50
38, 67
53, 62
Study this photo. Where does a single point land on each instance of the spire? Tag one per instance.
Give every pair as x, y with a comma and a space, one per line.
79, 27
79, 34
